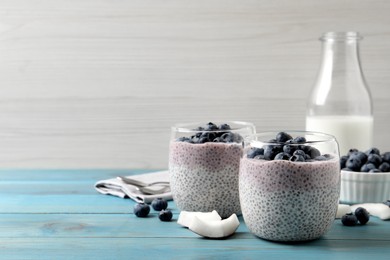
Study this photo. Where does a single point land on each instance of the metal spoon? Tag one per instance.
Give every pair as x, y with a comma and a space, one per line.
148, 191
137, 183
143, 187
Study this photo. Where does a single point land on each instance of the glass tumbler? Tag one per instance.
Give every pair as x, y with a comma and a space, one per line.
204, 160
289, 187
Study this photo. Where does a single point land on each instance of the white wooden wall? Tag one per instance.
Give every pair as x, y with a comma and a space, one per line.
98, 83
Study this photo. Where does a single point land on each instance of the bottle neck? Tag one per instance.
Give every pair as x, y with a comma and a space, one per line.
340, 88
341, 59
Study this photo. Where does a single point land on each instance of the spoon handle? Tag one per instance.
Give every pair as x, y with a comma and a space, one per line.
132, 181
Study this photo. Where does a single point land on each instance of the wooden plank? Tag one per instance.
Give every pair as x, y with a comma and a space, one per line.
127, 225
179, 248
66, 203
64, 175
60, 191
91, 225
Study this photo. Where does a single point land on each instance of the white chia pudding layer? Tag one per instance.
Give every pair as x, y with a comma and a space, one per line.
204, 177
289, 201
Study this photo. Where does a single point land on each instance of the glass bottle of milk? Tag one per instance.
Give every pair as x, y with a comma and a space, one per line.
340, 101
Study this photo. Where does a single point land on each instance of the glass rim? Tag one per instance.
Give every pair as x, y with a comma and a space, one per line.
190, 127
294, 133
341, 36
377, 175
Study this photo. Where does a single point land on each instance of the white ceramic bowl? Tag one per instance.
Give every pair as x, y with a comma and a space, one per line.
364, 187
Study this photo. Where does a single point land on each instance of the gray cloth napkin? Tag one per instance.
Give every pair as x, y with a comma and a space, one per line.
117, 188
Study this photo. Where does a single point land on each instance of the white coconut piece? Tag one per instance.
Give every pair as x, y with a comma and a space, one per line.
379, 210
342, 210
186, 217
215, 228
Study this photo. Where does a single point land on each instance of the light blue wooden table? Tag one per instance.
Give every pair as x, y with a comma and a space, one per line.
57, 214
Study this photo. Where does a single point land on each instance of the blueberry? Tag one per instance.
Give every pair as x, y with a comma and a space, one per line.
165, 215
297, 158
195, 137
238, 138
373, 151
181, 139
321, 158
210, 136
290, 149
346, 169
184, 139
272, 141
362, 156
384, 167
299, 152
374, 159
328, 156
299, 140
259, 157
367, 167
313, 152
224, 127
211, 127
159, 204
282, 137
343, 160
354, 164
282, 156
362, 215
253, 152
349, 220
374, 170
218, 140
387, 202
386, 157
202, 140
228, 137
271, 151
304, 148
141, 210
352, 150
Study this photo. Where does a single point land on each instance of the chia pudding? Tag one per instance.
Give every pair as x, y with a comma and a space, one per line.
287, 200
204, 176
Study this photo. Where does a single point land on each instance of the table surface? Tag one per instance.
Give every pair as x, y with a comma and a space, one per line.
57, 214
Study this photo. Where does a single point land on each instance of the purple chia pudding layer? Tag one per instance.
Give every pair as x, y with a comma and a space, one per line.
289, 201
204, 177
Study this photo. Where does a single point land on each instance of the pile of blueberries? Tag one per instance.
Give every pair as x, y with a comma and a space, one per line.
369, 161
285, 147
142, 210
212, 133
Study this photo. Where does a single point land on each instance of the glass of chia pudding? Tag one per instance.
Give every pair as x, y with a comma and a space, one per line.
289, 184
204, 161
